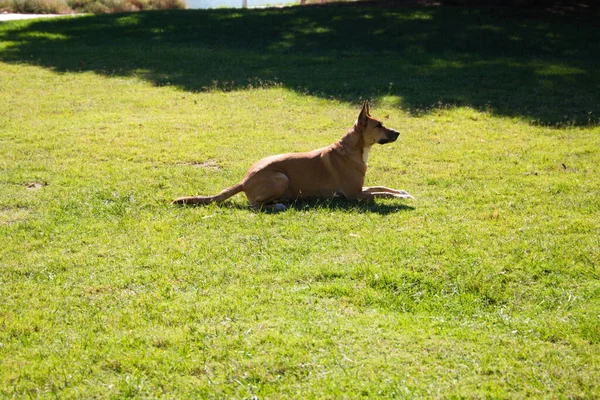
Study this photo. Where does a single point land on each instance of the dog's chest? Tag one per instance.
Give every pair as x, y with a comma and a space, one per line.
365, 156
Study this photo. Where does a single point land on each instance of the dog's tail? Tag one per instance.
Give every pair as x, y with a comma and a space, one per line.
224, 195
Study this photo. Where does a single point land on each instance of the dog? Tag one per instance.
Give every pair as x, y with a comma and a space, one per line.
335, 170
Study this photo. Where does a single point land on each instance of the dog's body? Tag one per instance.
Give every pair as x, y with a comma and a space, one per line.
338, 169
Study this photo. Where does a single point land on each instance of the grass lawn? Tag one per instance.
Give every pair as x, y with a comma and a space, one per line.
486, 285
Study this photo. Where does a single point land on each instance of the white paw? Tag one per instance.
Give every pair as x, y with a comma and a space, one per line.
403, 195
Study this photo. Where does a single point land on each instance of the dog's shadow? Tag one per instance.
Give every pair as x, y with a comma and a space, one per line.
336, 204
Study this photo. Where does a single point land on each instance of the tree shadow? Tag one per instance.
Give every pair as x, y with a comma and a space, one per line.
526, 63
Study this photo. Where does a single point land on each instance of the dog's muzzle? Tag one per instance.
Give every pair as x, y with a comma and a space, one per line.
390, 136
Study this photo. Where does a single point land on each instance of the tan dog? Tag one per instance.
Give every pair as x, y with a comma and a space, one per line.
338, 169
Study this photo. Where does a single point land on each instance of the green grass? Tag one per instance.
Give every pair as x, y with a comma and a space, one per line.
486, 286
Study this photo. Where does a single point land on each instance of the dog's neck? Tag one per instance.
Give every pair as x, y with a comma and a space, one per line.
352, 146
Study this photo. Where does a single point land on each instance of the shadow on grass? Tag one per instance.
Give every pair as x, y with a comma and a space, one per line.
341, 204
525, 63
330, 205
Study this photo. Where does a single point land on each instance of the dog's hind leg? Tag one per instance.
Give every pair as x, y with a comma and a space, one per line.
265, 188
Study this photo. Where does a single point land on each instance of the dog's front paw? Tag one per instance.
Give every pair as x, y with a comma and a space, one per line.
403, 194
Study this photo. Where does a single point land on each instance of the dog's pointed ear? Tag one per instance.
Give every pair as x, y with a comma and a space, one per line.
364, 114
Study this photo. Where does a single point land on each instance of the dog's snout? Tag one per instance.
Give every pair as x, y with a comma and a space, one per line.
390, 136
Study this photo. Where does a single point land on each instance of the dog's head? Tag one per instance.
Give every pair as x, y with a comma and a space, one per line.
373, 130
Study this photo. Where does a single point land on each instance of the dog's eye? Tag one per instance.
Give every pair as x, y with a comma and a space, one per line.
379, 125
